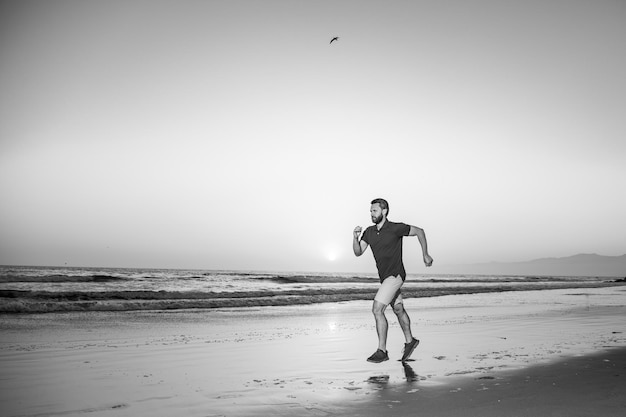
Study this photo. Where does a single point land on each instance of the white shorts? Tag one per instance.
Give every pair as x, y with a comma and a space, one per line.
389, 291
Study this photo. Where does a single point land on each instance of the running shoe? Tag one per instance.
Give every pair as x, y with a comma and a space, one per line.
378, 357
409, 348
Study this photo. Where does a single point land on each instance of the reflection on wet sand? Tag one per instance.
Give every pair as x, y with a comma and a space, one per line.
383, 380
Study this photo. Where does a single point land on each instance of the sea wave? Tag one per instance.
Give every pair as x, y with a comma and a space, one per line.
56, 289
18, 301
61, 278
273, 278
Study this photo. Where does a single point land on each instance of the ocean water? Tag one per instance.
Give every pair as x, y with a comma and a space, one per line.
57, 289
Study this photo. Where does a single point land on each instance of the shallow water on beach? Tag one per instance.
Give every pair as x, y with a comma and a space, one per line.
288, 360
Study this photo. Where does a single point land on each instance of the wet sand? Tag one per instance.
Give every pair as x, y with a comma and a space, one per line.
528, 353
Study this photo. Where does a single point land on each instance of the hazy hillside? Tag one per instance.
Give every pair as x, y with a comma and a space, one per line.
576, 265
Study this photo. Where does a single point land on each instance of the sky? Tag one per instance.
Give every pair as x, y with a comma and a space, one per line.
233, 135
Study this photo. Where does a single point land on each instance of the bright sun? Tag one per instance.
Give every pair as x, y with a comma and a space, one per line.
331, 252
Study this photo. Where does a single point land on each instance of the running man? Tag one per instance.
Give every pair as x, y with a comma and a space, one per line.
385, 238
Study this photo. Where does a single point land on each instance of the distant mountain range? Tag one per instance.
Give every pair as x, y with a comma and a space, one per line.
577, 265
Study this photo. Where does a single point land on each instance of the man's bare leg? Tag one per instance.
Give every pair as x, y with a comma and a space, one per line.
381, 324
405, 324
404, 320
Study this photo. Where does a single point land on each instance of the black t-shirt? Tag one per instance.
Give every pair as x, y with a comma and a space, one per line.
386, 246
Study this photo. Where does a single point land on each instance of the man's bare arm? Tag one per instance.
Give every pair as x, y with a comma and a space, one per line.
358, 245
421, 236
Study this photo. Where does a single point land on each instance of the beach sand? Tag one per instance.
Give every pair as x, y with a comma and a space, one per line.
528, 353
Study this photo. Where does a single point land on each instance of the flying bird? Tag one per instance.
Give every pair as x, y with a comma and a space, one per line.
336, 38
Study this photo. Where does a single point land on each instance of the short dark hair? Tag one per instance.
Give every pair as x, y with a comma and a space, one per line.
382, 203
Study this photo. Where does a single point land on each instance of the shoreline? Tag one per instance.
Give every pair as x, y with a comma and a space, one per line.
309, 360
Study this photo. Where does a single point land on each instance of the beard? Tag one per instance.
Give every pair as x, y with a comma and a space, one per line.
377, 219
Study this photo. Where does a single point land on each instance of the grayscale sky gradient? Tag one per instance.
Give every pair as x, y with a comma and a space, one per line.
232, 135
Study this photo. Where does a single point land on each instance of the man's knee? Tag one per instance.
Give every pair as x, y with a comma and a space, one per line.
398, 308
378, 307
